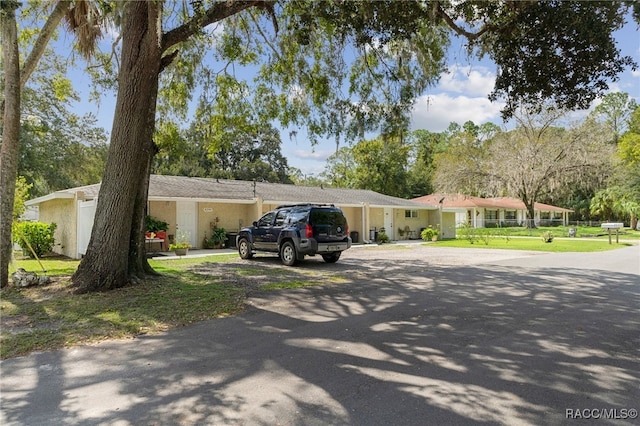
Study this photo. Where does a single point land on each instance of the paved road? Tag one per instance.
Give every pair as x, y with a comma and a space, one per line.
418, 335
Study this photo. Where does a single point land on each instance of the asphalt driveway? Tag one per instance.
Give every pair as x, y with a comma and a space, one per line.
414, 335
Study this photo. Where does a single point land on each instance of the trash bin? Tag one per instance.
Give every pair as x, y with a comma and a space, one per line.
373, 235
231, 239
354, 236
572, 232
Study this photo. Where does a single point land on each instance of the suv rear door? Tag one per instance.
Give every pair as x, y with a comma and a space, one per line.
328, 224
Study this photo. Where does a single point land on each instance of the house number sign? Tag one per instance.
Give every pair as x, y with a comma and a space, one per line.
207, 209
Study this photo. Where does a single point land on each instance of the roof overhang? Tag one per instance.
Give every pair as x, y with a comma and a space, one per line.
60, 195
204, 200
407, 207
357, 205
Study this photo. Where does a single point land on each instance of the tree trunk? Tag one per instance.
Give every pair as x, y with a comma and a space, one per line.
10, 132
531, 214
120, 211
138, 264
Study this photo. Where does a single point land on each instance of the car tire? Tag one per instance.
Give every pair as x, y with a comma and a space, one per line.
288, 254
244, 249
331, 258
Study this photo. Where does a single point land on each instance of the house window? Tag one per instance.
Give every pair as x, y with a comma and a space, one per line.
510, 215
491, 214
411, 213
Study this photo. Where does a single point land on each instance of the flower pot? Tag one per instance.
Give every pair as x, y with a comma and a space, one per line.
181, 251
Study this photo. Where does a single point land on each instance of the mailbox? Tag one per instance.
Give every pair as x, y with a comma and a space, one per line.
612, 225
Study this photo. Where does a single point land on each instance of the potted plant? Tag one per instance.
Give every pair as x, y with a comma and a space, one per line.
207, 243
182, 244
382, 237
155, 225
429, 234
181, 249
217, 240
218, 237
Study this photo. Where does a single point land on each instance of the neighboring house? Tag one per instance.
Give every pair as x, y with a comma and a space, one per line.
196, 205
490, 212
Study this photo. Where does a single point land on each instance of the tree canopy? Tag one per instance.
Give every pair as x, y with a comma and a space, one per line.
621, 197
530, 162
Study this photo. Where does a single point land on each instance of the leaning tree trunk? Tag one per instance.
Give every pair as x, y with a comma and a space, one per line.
10, 132
107, 262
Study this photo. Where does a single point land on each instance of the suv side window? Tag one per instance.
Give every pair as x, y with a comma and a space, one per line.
266, 219
280, 217
299, 216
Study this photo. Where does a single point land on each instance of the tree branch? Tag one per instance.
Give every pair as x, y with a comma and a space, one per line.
218, 12
471, 36
43, 39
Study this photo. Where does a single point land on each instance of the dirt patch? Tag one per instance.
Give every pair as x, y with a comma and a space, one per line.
262, 273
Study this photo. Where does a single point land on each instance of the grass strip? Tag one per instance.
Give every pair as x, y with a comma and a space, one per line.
534, 244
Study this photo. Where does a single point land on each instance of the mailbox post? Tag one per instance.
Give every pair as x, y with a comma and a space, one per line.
612, 225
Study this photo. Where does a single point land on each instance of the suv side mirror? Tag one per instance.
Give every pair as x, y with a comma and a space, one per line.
255, 223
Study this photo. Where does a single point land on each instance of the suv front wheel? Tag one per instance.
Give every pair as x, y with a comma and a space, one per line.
244, 249
288, 254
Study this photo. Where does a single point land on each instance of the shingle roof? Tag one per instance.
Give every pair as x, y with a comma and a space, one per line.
452, 201
161, 186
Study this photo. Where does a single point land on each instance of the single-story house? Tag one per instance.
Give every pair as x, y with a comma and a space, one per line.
197, 205
490, 212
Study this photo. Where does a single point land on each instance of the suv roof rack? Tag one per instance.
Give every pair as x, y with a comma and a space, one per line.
304, 204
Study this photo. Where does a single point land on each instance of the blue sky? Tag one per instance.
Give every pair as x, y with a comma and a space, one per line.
460, 96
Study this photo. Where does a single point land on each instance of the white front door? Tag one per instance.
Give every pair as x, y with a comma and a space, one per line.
388, 223
186, 221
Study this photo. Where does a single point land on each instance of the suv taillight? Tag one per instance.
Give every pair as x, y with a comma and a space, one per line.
308, 232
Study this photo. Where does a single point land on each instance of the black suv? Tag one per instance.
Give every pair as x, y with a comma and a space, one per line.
295, 231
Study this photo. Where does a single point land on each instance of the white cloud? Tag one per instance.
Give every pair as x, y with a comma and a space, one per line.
312, 155
436, 112
470, 80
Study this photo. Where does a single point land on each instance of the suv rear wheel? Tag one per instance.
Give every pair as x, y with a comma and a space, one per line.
244, 249
331, 258
288, 254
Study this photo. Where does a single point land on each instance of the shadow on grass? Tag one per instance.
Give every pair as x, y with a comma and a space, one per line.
50, 317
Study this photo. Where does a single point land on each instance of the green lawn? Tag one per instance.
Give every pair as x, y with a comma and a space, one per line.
52, 266
563, 231
535, 244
